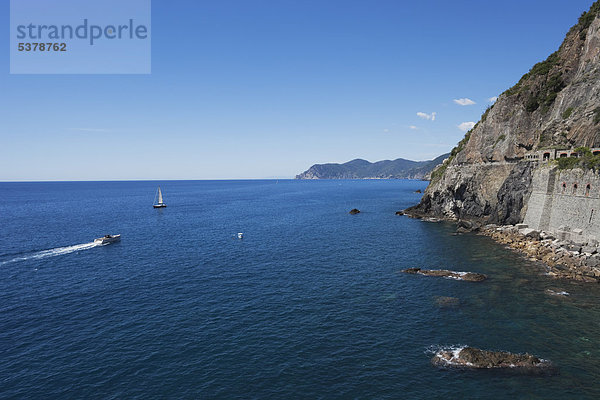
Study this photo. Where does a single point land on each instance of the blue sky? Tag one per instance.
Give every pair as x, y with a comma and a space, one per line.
264, 89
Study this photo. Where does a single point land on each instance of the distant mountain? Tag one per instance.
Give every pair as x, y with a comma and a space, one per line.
363, 169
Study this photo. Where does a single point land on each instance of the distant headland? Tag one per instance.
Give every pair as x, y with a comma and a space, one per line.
363, 169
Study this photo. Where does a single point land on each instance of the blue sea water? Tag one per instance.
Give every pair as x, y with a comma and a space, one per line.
310, 304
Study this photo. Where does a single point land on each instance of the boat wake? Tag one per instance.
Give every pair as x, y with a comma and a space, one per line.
52, 252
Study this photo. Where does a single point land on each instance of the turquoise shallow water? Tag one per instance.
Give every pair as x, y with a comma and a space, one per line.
309, 304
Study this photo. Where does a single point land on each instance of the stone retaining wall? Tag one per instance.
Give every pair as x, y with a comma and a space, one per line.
566, 203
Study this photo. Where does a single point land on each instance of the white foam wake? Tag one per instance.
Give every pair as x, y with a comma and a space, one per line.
52, 252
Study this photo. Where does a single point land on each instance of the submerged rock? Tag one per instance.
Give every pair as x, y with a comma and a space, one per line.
463, 276
399, 212
418, 191
470, 357
354, 211
447, 302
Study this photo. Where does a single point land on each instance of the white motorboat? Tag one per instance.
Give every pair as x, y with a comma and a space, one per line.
240, 235
107, 239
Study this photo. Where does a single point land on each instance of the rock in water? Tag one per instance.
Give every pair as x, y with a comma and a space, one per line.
464, 226
447, 302
463, 276
399, 212
470, 357
354, 211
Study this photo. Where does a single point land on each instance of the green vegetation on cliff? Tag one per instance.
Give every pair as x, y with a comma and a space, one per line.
567, 113
586, 20
439, 171
541, 85
586, 160
545, 96
540, 69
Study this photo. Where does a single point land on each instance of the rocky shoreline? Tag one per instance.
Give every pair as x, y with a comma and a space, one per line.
563, 259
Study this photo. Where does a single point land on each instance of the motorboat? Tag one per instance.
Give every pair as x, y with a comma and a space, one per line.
107, 239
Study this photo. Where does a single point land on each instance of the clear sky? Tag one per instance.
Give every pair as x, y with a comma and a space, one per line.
265, 89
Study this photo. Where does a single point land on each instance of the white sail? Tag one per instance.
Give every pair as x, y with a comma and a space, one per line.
160, 203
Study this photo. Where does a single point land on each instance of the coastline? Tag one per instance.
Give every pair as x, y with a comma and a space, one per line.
563, 259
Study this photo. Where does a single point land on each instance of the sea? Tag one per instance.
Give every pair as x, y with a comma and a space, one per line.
310, 304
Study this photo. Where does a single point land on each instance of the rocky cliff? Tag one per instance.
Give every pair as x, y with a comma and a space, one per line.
556, 104
363, 169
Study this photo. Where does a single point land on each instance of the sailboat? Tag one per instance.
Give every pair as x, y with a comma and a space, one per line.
160, 203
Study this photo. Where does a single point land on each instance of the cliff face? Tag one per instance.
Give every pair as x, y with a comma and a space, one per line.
556, 104
494, 192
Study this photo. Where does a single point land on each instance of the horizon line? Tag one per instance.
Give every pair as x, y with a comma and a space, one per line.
141, 180
209, 180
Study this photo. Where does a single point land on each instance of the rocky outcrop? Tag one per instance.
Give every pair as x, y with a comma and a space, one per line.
464, 226
354, 211
444, 273
556, 104
493, 193
470, 357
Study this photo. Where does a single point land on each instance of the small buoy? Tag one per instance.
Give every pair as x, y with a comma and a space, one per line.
240, 235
